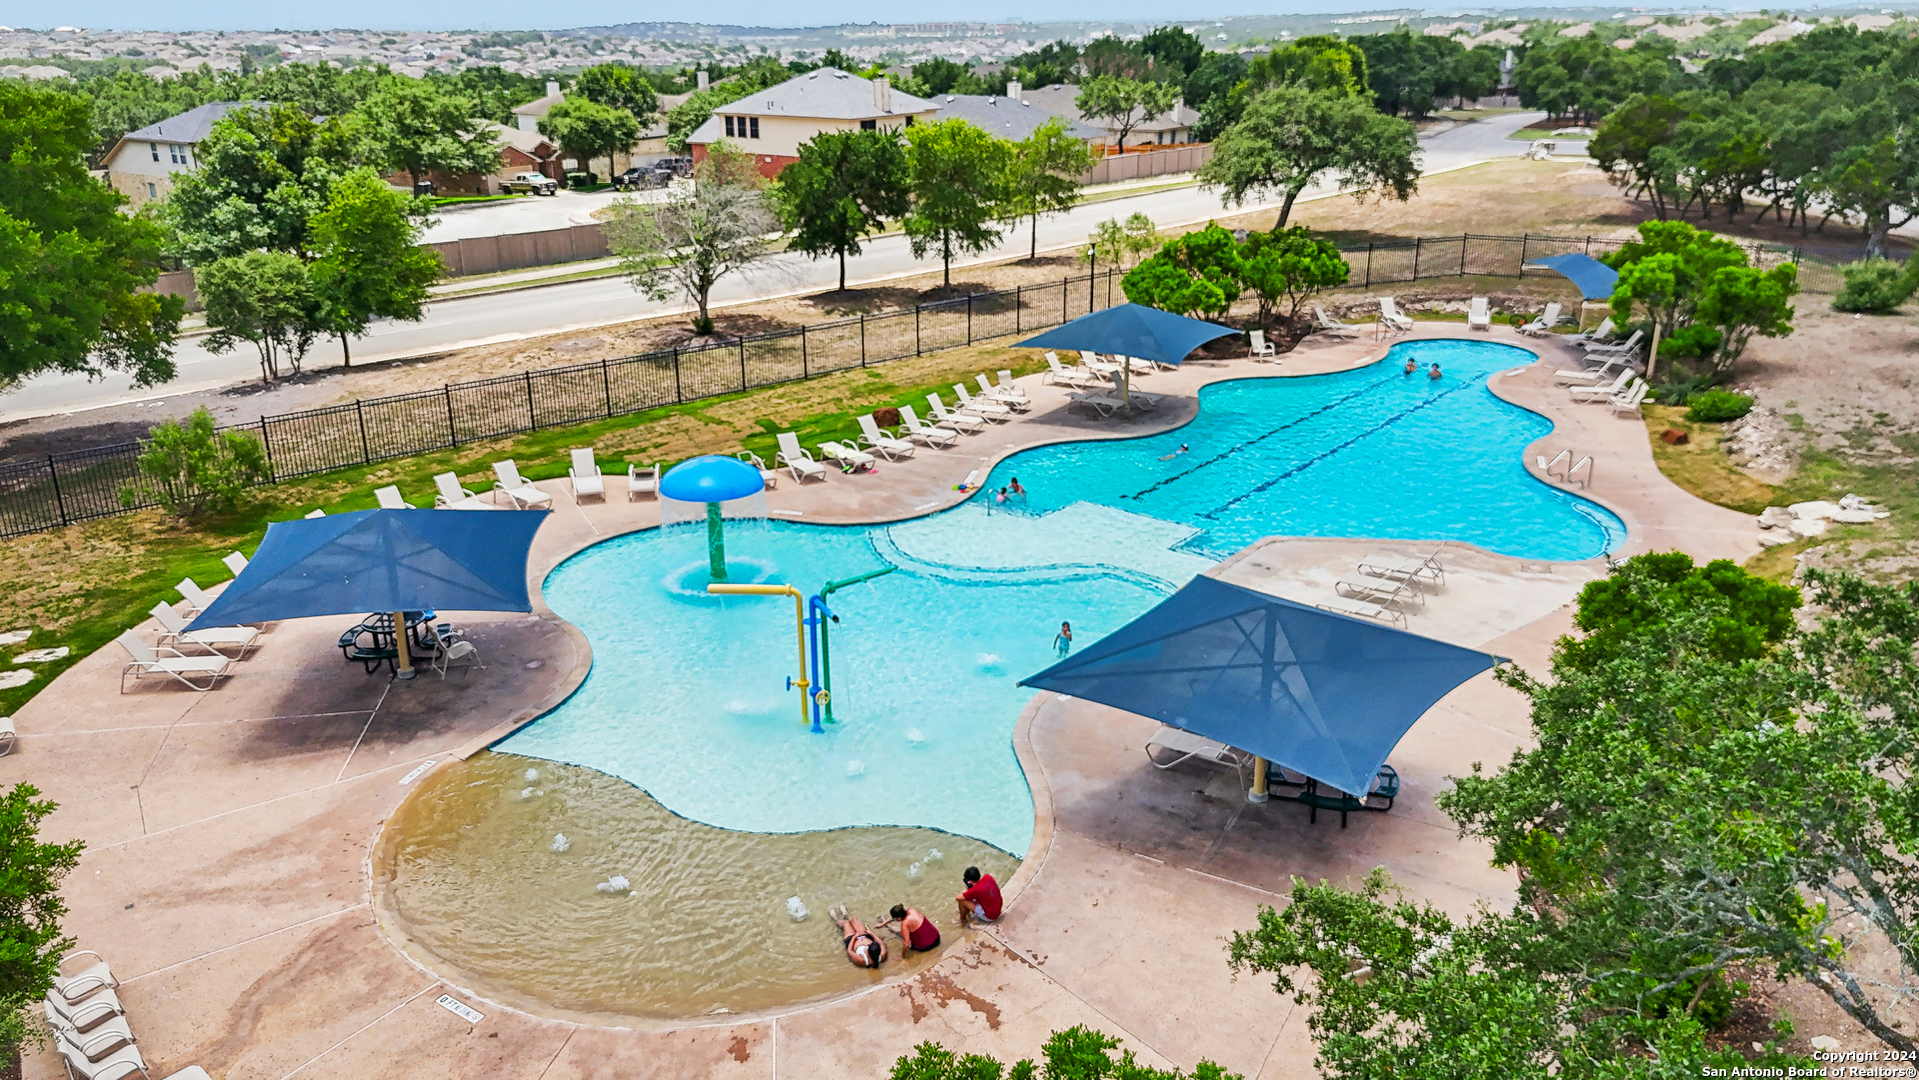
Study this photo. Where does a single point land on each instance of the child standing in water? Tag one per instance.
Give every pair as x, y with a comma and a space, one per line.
1063, 641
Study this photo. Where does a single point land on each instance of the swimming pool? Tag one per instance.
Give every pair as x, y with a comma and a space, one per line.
687, 697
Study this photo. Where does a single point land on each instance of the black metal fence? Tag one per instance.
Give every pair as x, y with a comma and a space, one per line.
77, 485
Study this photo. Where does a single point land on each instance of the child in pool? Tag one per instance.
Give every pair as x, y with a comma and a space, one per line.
1063, 641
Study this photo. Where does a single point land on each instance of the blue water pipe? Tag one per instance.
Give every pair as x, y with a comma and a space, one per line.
817, 620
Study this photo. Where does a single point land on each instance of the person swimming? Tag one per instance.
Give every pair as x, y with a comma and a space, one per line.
999, 496
1014, 488
1433, 373
1412, 365
1174, 454
862, 946
1063, 641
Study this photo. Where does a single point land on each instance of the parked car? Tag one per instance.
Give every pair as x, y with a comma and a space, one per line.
643, 176
537, 183
676, 166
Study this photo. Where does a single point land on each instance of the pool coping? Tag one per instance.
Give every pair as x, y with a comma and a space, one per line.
380, 899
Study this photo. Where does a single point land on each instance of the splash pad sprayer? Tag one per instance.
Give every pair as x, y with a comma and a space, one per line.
719, 588
822, 651
713, 480
811, 617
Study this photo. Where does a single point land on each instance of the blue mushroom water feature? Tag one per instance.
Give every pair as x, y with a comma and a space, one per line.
712, 480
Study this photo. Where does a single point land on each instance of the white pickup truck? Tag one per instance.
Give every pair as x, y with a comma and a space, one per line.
536, 183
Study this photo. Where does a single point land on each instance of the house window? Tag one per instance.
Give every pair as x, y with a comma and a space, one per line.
729, 127
869, 125
152, 192
176, 153
909, 121
155, 148
753, 123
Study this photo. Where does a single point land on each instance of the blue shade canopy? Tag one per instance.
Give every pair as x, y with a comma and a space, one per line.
1594, 278
711, 478
383, 560
1132, 330
1322, 694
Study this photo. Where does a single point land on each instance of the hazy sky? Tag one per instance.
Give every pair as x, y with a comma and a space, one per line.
519, 15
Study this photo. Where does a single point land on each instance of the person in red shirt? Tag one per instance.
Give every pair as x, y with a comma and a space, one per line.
980, 902
916, 929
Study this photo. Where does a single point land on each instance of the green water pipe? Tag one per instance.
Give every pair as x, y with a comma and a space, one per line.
825, 653
716, 544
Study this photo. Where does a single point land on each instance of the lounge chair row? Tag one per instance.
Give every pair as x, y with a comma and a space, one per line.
217, 648
1387, 587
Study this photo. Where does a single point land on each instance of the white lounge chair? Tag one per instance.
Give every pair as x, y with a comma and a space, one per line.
196, 597
1174, 746
1601, 393
177, 664
1007, 384
849, 459
389, 498
1627, 345
1010, 396
210, 639
991, 410
1379, 591
1591, 375
96, 1009
1600, 334
235, 562
1142, 366
1424, 569
1390, 318
460, 649
87, 981
771, 476
958, 421
1628, 403
794, 457
585, 476
451, 496
118, 1065
95, 1044
1360, 609
1479, 315
928, 434
1073, 376
518, 491
8, 736
1105, 403
645, 480
1544, 323
1262, 348
1326, 324
311, 514
872, 435
1090, 360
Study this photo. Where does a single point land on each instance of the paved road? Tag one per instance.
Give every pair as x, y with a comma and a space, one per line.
457, 323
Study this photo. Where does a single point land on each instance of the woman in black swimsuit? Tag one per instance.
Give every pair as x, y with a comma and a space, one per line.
862, 947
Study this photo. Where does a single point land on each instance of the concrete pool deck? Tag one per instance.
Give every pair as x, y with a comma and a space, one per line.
227, 875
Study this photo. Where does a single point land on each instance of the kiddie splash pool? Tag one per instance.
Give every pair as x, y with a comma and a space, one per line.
687, 700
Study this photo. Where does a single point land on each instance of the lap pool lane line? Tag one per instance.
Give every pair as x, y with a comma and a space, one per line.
1424, 403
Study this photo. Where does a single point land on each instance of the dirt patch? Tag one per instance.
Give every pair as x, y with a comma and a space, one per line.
940, 990
738, 1048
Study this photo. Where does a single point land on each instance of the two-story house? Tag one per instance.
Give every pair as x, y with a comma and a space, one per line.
771, 124
142, 164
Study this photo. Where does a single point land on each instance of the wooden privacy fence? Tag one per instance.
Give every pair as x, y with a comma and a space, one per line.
59, 489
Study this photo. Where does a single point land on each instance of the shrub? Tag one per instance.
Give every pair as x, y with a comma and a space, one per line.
1695, 340
191, 469
31, 943
1681, 391
1874, 286
1718, 406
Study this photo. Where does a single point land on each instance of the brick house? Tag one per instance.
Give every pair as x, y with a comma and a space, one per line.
772, 123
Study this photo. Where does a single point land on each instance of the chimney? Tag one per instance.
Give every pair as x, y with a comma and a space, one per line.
552, 88
883, 94
700, 78
1012, 90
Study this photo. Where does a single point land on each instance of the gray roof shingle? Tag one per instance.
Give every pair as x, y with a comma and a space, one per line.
825, 94
1007, 118
191, 126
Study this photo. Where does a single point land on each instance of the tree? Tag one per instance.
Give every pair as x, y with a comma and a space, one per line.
192, 470
1043, 176
586, 130
1292, 136
1741, 301
1399, 989
1126, 103
617, 86
939, 75
697, 236
417, 127
957, 172
1197, 274
1175, 52
267, 299
1286, 268
1407, 70
1629, 142
71, 263
31, 942
845, 185
1078, 1053
1209, 90
1120, 244
1585, 78
262, 174
368, 263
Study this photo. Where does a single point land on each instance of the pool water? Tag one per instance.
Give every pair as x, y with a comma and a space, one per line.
687, 697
